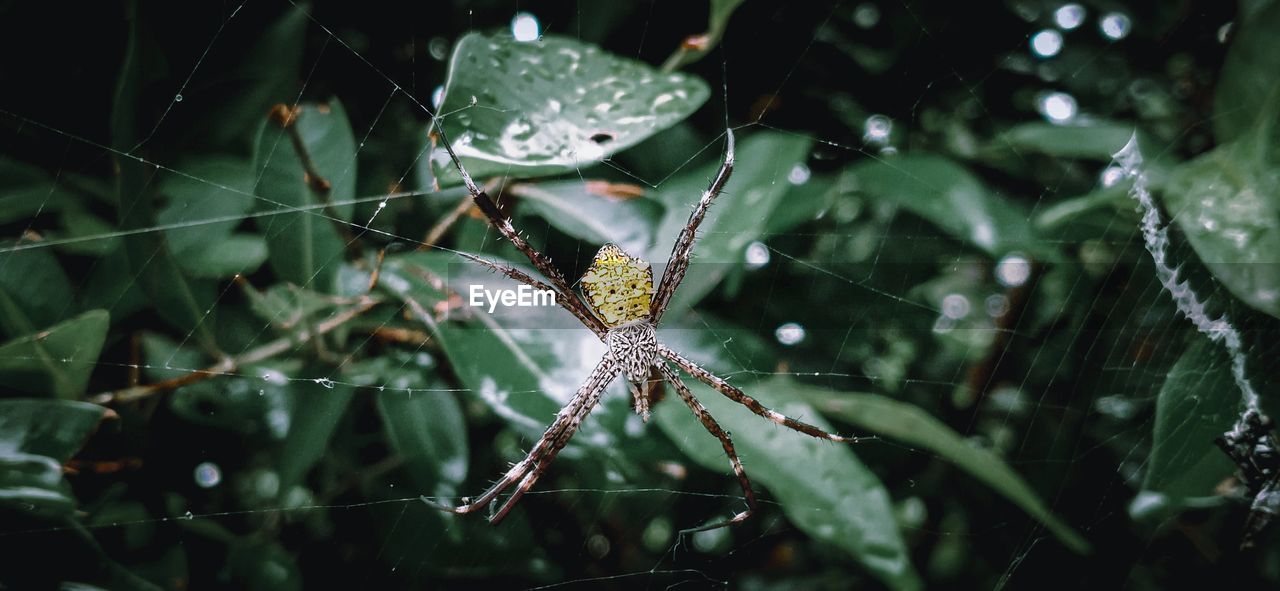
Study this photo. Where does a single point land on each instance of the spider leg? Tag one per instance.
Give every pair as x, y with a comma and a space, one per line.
566, 302
504, 227
714, 428
556, 435
542, 464
733, 393
680, 253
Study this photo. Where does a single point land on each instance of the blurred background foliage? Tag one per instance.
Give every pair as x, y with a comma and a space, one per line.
235, 352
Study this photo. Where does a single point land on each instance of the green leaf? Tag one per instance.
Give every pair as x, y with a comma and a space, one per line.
175, 298
205, 204
1096, 140
57, 360
739, 216
305, 246
87, 234
236, 98
1249, 85
26, 190
315, 407
33, 484
717, 23
1198, 402
34, 290
36, 438
238, 253
947, 194
911, 425
575, 210
550, 106
258, 564
524, 363
823, 488
206, 201
1227, 203
428, 430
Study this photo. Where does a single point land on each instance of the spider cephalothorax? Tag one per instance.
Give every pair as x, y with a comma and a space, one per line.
622, 307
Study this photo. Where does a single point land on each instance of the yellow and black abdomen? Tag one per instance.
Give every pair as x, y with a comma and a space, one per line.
618, 286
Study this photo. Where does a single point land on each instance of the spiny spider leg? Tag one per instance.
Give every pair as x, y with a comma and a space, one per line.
566, 422
680, 253
504, 227
714, 428
590, 321
544, 462
733, 393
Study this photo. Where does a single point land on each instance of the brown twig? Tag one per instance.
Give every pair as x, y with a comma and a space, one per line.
437, 232
230, 364
286, 117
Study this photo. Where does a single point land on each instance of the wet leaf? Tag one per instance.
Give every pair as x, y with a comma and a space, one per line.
427, 429
739, 216
36, 438
303, 238
56, 361
1227, 203
1249, 85
823, 488
550, 106
1198, 402
546, 353
573, 209
1095, 140
955, 200
909, 424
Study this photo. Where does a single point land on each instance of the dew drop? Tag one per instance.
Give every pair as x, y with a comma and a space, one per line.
757, 255
1115, 25
1013, 270
866, 15
789, 334
997, 305
1111, 175
799, 174
438, 47
525, 27
876, 129
1069, 16
208, 475
177, 98
1046, 43
955, 306
1057, 107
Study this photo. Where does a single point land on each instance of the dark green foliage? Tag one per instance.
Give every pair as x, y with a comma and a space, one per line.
228, 359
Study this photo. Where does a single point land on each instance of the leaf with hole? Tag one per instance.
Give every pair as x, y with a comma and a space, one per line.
550, 106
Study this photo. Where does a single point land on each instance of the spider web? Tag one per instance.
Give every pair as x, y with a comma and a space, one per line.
1048, 349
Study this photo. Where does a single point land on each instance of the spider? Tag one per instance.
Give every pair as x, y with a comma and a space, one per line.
623, 308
